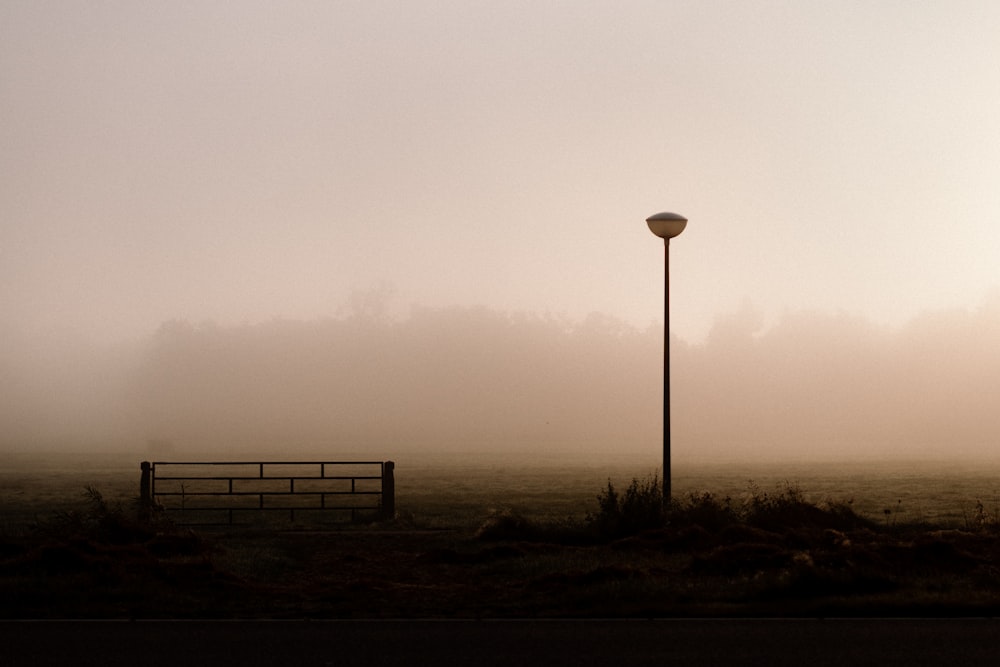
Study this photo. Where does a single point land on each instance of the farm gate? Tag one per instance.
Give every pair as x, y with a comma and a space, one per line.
217, 492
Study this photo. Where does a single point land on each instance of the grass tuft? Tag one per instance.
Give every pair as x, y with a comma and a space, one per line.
642, 507
506, 524
639, 508
101, 521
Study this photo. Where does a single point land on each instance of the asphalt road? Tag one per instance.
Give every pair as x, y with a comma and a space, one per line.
631, 643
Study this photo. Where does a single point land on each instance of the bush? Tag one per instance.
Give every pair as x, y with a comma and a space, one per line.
640, 508
704, 510
102, 522
788, 509
509, 525
505, 524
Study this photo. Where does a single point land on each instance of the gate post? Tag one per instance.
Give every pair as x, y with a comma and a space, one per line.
145, 492
388, 491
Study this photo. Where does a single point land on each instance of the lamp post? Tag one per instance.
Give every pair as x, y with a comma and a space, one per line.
666, 226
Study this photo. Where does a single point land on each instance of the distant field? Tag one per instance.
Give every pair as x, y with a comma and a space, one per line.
449, 490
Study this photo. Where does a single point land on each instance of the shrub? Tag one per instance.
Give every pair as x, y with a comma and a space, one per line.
102, 522
788, 508
639, 508
981, 519
704, 510
505, 524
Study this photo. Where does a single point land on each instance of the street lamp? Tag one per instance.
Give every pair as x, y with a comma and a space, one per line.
666, 226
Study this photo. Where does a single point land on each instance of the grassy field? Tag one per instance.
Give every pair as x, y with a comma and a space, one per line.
448, 491
511, 538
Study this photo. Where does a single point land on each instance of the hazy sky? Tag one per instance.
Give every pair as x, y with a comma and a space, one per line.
249, 160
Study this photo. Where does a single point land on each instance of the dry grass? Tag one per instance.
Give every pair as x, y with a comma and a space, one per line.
473, 546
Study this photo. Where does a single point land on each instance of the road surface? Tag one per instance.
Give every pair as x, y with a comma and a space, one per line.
630, 643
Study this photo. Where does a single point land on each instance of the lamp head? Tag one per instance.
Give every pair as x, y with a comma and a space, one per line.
666, 225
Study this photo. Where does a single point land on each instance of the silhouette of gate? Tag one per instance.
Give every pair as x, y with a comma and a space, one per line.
214, 492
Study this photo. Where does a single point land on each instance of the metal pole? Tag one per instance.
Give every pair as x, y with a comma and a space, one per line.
145, 490
388, 491
666, 370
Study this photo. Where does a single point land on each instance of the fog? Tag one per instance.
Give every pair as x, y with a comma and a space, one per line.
190, 193
813, 386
